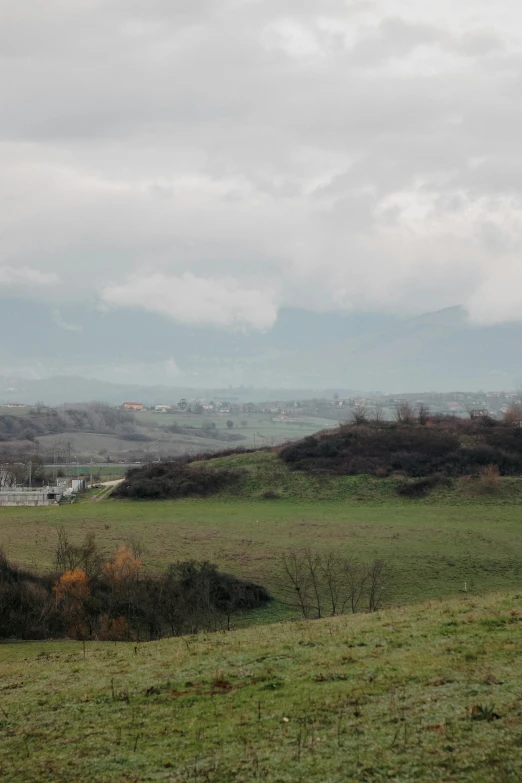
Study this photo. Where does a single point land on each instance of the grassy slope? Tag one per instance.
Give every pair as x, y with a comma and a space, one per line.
265, 471
394, 696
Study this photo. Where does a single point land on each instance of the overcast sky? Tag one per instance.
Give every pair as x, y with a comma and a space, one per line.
216, 160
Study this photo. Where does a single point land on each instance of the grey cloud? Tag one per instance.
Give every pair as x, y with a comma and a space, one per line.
394, 38
337, 154
480, 43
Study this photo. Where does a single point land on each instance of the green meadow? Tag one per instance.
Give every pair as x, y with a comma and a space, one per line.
424, 693
434, 549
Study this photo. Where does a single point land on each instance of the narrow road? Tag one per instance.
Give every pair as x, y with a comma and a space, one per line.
105, 490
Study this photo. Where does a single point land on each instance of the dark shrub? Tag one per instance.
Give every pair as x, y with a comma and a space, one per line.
173, 480
271, 495
421, 487
27, 608
444, 445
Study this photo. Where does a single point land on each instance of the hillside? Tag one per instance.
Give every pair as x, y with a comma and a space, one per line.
440, 351
96, 430
263, 475
449, 459
427, 693
443, 446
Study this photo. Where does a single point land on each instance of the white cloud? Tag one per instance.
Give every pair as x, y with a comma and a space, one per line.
292, 38
498, 298
171, 369
197, 301
62, 324
23, 277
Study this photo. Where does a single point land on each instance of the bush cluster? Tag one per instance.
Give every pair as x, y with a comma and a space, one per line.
173, 480
451, 448
115, 600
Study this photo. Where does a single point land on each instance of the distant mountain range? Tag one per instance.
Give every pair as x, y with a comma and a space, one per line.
53, 355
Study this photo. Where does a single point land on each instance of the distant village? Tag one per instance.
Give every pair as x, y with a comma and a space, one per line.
282, 411
462, 404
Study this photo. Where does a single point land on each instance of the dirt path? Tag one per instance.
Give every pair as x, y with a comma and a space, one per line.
105, 490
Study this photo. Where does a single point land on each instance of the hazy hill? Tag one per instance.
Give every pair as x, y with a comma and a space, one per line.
438, 351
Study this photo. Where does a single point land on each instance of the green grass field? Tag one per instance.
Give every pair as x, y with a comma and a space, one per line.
429, 694
434, 550
104, 472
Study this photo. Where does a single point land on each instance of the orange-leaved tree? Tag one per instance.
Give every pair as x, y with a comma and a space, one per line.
72, 591
123, 571
122, 574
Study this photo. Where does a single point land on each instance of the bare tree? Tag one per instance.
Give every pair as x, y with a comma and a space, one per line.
11, 474
513, 415
378, 413
69, 557
377, 585
423, 414
135, 544
320, 584
356, 579
296, 581
314, 566
331, 566
359, 415
404, 413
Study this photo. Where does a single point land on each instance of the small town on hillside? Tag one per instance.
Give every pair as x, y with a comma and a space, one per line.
462, 404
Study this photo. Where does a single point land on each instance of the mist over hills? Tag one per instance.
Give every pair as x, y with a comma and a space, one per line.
71, 389
55, 355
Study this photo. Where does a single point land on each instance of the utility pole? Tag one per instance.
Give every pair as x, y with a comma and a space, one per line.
91, 470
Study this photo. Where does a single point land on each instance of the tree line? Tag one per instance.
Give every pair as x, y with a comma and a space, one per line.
89, 417
89, 596
326, 584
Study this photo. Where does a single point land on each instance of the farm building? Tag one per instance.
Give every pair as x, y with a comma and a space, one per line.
23, 496
43, 496
133, 406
